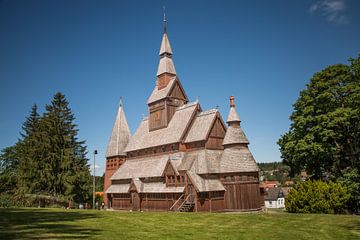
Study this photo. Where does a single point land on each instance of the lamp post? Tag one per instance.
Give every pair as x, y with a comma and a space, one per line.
95, 152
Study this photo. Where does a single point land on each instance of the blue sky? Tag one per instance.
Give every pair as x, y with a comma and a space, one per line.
262, 52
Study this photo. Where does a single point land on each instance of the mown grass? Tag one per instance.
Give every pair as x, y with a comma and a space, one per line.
91, 224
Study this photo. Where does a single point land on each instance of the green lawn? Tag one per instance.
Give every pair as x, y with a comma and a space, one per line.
89, 224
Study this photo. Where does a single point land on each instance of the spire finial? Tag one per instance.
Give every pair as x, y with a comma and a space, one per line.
232, 104
121, 103
164, 20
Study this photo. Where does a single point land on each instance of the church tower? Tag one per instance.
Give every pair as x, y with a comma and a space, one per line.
115, 155
168, 93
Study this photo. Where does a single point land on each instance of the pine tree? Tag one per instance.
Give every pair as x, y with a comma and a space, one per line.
29, 152
65, 163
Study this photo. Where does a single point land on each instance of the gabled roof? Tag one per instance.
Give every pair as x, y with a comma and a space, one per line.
204, 184
173, 133
159, 187
235, 135
120, 135
118, 188
157, 95
201, 161
152, 166
233, 115
237, 159
201, 126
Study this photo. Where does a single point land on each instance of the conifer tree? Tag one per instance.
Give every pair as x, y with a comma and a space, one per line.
29, 152
65, 165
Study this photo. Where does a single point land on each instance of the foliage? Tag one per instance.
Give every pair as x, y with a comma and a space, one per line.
351, 180
269, 166
48, 162
99, 183
89, 224
9, 162
317, 197
324, 137
6, 200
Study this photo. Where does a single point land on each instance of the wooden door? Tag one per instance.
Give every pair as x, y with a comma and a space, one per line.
192, 193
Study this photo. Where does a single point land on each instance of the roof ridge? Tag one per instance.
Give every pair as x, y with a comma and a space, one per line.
187, 105
207, 112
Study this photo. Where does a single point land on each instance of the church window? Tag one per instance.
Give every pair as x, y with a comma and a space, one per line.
157, 116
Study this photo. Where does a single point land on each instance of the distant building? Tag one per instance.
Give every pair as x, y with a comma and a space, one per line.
181, 157
271, 184
274, 198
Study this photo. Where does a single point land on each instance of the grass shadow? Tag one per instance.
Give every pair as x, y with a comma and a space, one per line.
44, 224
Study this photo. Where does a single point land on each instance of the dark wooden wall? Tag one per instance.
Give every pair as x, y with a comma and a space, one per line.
242, 194
216, 136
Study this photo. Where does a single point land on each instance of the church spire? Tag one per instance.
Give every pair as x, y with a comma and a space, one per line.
234, 134
233, 116
164, 21
120, 134
166, 64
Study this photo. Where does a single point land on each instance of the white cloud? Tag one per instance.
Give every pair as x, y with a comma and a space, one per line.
332, 10
98, 170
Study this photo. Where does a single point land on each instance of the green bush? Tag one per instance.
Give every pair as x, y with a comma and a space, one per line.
6, 200
317, 197
351, 180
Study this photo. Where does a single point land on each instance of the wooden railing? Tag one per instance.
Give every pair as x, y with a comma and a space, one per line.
182, 195
187, 198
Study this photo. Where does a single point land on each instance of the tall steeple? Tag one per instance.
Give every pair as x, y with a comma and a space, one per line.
166, 64
234, 134
120, 135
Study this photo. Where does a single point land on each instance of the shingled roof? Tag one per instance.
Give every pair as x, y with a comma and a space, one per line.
120, 135
143, 138
237, 159
152, 166
165, 45
203, 184
166, 65
157, 94
118, 188
201, 126
235, 135
233, 115
202, 161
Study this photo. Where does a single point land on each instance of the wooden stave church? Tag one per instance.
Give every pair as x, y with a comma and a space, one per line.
181, 158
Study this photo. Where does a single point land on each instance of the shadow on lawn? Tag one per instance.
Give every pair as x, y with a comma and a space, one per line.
354, 226
44, 224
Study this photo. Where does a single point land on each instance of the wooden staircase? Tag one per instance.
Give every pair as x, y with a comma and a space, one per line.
183, 204
187, 207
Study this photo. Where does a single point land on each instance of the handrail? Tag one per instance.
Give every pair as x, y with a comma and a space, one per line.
184, 201
177, 201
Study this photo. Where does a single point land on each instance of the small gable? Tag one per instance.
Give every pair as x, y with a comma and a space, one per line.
218, 129
169, 170
177, 91
216, 135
